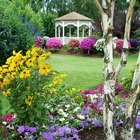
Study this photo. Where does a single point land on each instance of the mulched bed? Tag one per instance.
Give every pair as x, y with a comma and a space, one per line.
97, 134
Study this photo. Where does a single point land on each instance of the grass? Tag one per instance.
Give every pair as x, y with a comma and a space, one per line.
83, 72
86, 72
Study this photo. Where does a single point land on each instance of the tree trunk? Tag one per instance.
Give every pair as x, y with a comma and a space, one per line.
126, 38
131, 106
107, 11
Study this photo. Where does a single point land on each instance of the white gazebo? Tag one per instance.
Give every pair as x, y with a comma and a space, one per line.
73, 25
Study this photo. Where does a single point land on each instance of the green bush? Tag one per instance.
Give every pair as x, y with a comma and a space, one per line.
18, 28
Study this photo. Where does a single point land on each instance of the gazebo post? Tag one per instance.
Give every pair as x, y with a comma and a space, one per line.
69, 31
83, 32
55, 30
63, 33
58, 31
78, 29
89, 31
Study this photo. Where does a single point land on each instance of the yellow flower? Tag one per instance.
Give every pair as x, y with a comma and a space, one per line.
14, 67
25, 73
44, 68
6, 81
5, 93
9, 60
29, 100
30, 62
54, 73
63, 75
43, 57
66, 91
57, 80
73, 89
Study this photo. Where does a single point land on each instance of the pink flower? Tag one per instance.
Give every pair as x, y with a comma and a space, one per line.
119, 44
8, 117
100, 88
54, 42
87, 43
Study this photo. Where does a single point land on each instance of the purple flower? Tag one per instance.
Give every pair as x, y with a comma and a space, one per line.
60, 131
30, 129
74, 130
138, 126
52, 128
119, 123
66, 129
81, 124
120, 113
134, 43
89, 120
75, 136
21, 129
47, 136
97, 123
87, 43
85, 110
39, 41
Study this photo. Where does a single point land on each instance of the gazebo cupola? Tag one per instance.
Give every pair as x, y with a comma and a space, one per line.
73, 25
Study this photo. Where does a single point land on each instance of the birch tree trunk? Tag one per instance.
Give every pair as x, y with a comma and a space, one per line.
126, 38
107, 12
131, 105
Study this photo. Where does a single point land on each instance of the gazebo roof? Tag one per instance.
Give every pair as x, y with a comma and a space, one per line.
73, 16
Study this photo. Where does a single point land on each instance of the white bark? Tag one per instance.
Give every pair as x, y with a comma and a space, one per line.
107, 11
123, 61
131, 106
110, 75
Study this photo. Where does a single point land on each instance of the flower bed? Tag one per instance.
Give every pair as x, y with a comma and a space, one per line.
47, 108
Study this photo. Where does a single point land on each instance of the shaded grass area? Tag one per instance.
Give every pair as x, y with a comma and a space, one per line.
86, 72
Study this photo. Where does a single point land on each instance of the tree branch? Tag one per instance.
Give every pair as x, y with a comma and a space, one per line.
97, 3
131, 105
123, 61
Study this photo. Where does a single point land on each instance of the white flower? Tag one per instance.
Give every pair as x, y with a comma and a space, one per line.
4, 123
80, 116
61, 119
67, 106
60, 111
76, 109
65, 114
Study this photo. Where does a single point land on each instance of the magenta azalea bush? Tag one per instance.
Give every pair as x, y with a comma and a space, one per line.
54, 43
119, 44
87, 43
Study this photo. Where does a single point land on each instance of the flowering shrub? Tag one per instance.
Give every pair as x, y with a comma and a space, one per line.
133, 43
5, 123
119, 44
39, 41
54, 43
87, 43
73, 44
23, 80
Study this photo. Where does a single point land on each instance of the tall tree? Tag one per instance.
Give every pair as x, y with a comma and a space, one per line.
110, 73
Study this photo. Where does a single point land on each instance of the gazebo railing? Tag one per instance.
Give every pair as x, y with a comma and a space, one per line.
66, 40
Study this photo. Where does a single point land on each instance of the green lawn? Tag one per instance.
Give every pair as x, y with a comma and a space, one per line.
86, 72
83, 72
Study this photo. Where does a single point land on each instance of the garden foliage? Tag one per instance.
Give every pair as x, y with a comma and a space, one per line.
18, 28
87, 43
54, 43
73, 45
